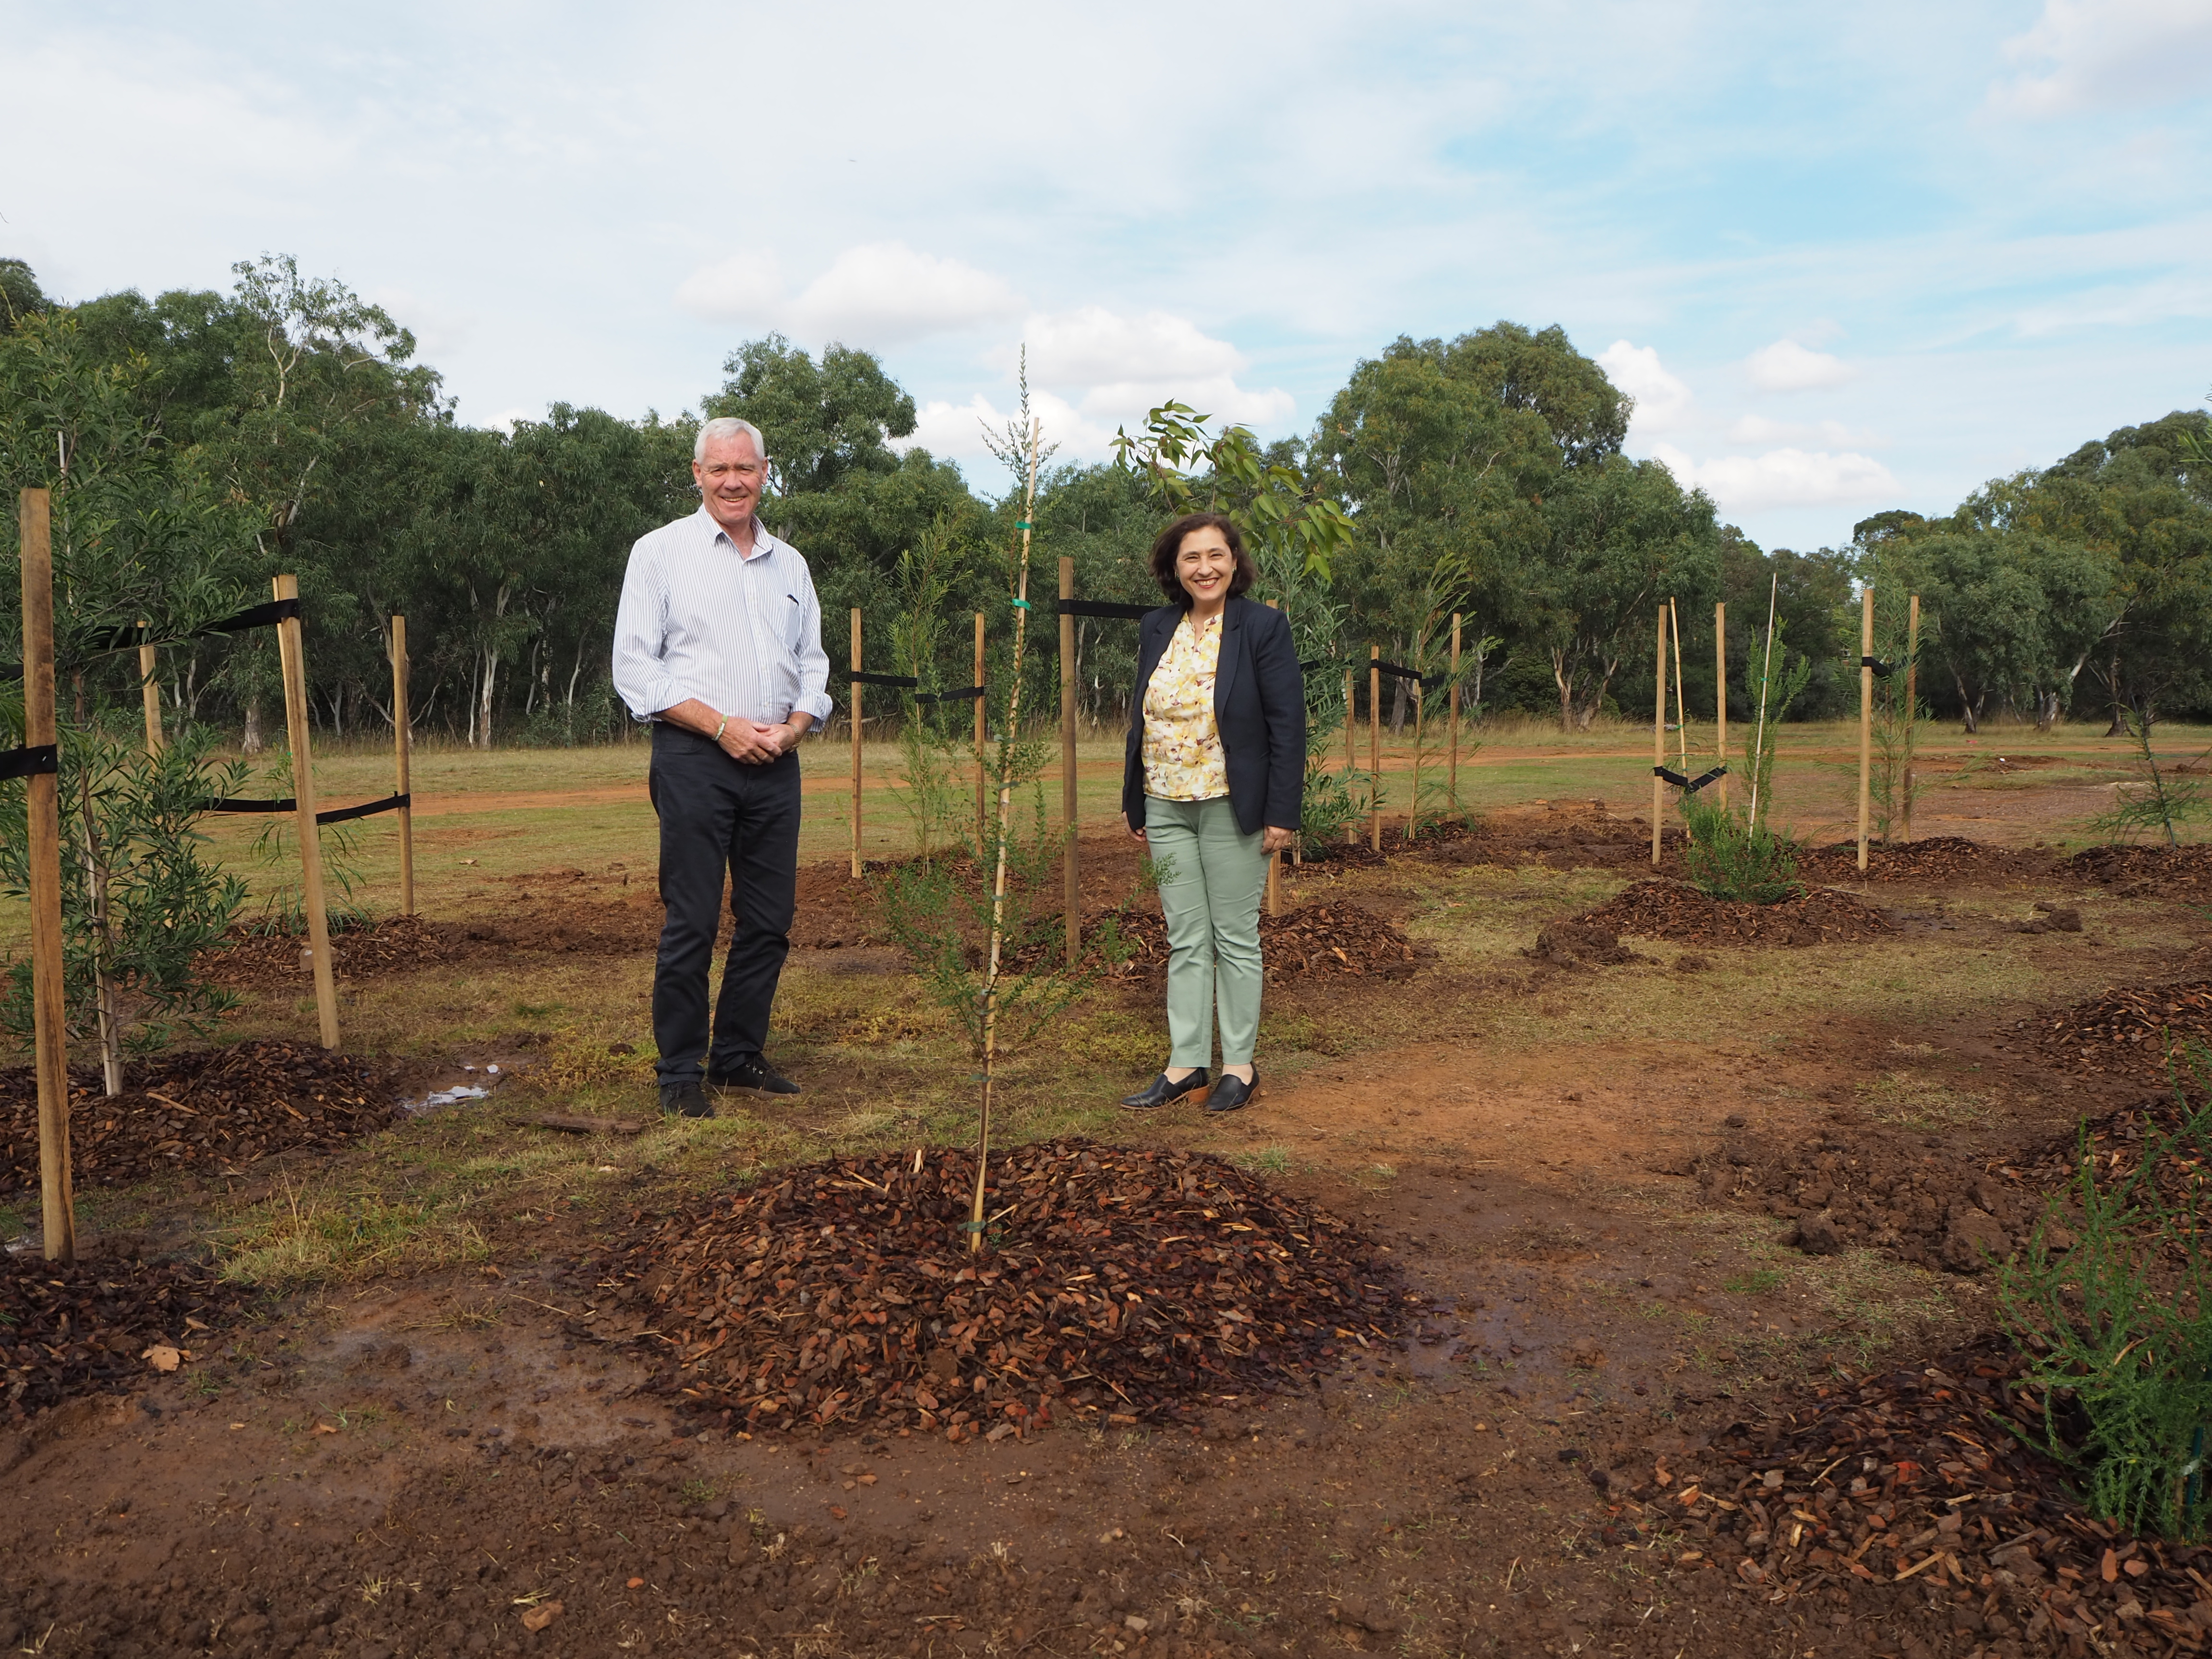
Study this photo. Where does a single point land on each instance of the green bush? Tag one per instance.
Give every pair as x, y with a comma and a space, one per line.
2113, 1302
1730, 857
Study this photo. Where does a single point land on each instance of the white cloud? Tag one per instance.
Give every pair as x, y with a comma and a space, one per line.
1782, 477
1785, 366
2092, 54
742, 288
1115, 365
885, 294
1661, 399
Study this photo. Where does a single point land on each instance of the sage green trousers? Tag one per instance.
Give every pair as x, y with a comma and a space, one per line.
1210, 896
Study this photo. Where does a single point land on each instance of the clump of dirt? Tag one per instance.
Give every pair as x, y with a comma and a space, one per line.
1674, 911
2146, 871
81, 1328
1919, 1473
1119, 1284
1559, 835
2136, 1031
1580, 944
1319, 939
394, 944
1938, 858
201, 1108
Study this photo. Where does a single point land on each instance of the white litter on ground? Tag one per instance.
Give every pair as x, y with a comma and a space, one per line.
447, 1098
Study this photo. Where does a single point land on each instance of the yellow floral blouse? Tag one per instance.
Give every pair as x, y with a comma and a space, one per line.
1182, 745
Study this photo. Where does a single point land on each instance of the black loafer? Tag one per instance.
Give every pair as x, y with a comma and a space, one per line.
1161, 1092
684, 1100
1232, 1093
755, 1076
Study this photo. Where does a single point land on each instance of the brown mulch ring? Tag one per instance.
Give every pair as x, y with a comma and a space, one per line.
1916, 1475
394, 945
1674, 911
1319, 939
100, 1324
2137, 1031
2146, 871
208, 1109
1118, 1285
1938, 858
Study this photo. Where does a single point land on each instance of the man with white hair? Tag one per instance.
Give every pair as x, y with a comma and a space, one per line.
717, 643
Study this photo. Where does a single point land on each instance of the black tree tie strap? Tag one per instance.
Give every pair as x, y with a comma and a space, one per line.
1400, 672
1882, 669
1688, 786
40, 759
335, 815
897, 682
966, 694
266, 615
1105, 608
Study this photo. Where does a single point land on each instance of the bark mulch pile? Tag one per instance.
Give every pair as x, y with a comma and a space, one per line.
394, 945
1672, 910
1938, 858
1319, 939
2133, 1031
1119, 1284
82, 1328
209, 1109
1916, 1477
2146, 871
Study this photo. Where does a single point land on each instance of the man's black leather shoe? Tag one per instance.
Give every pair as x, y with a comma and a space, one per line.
1232, 1092
756, 1076
1161, 1092
684, 1100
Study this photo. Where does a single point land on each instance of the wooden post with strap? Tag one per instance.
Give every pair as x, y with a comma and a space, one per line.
981, 734
1720, 693
1374, 742
1866, 716
42, 789
856, 743
402, 754
1451, 785
1911, 703
1071, 866
294, 667
149, 689
1658, 735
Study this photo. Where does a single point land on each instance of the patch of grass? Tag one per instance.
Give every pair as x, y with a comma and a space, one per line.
306, 1237
1921, 1104
1757, 1282
12, 1226
1267, 1160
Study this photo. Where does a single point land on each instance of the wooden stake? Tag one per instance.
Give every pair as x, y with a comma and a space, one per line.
403, 755
1911, 701
1720, 696
1765, 677
1351, 761
856, 744
1658, 733
149, 689
1072, 897
982, 716
49, 1011
1375, 742
1681, 714
294, 666
1866, 715
1413, 799
1451, 788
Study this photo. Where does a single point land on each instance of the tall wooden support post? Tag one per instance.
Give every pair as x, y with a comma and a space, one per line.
1911, 704
856, 744
1720, 695
982, 716
57, 1191
1658, 733
303, 806
1451, 785
1071, 870
403, 755
150, 688
1351, 761
1866, 716
1375, 742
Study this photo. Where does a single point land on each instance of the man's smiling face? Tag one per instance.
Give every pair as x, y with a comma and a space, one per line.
729, 479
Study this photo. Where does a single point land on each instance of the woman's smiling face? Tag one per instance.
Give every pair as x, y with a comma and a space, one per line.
1204, 566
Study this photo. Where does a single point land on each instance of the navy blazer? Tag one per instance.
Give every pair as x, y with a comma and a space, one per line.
1258, 706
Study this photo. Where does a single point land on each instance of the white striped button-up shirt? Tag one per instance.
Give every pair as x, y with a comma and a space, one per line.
741, 634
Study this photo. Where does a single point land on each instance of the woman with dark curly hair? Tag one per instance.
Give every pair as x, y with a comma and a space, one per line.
1213, 783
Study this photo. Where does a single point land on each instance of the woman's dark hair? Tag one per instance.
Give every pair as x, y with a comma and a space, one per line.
1170, 543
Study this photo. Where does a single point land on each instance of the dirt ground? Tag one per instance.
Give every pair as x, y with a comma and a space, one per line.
1607, 1180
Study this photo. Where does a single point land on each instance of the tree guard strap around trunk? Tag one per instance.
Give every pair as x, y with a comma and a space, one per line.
1399, 671
897, 682
335, 815
1688, 786
40, 760
1882, 669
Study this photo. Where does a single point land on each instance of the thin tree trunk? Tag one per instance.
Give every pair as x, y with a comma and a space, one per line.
490, 685
251, 742
111, 1023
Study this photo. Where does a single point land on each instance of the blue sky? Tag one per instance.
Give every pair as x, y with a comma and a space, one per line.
1845, 258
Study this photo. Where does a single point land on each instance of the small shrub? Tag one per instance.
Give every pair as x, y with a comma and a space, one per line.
1732, 856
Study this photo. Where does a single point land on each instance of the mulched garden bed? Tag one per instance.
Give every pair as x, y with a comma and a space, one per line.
2131, 1031
2146, 871
1318, 939
1917, 1476
1938, 858
395, 944
210, 1109
1672, 910
1119, 1284
86, 1327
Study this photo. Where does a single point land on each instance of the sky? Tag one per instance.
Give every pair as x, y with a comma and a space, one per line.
1845, 258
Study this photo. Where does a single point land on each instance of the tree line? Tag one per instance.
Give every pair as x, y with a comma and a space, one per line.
198, 443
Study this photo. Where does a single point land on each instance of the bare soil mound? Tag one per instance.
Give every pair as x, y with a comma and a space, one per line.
1672, 910
1580, 944
210, 1109
86, 1327
1118, 1284
2135, 1031
2146, 871
1940, 858
1920, 1473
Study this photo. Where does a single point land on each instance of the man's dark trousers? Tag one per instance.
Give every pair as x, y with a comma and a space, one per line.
720, 816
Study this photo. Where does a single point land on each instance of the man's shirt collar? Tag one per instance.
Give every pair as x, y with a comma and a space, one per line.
763, 543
